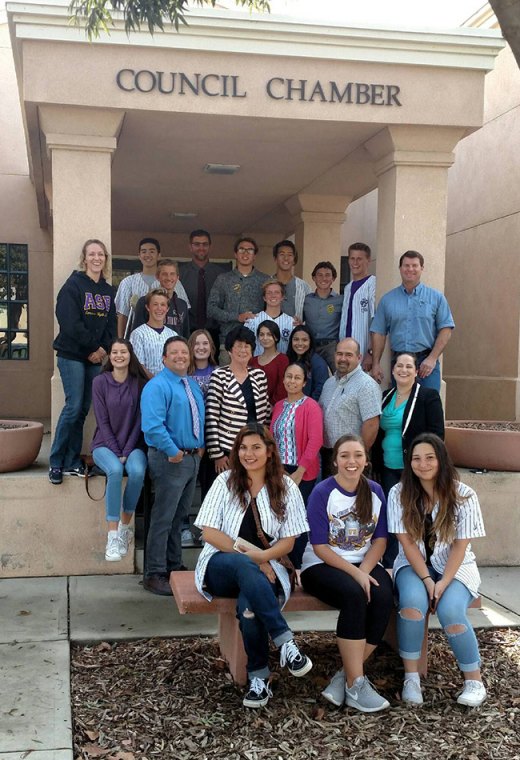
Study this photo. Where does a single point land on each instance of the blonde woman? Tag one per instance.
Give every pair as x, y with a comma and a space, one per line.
87, 320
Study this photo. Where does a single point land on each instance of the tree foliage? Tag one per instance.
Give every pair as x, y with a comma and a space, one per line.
96, 15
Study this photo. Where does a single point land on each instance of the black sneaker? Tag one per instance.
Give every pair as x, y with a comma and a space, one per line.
79, 471
299, 664
55, 475
258, 694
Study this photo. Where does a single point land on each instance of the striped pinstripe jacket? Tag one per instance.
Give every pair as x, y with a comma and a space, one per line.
226, 411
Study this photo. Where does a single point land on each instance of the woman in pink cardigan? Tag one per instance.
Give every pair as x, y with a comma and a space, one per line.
297, 427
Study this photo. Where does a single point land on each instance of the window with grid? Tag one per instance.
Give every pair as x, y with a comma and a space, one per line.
14, 301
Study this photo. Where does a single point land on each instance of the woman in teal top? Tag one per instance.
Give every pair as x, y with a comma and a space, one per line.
408, 409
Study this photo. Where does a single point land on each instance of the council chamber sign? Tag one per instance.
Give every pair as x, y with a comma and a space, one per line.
178, 83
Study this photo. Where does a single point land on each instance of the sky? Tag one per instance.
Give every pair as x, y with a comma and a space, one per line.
401, 13
443, 14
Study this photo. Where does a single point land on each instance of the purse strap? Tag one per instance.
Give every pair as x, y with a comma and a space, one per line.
87, 488
259, 530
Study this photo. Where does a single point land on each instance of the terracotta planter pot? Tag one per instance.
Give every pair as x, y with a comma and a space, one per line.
20, 442
483, 449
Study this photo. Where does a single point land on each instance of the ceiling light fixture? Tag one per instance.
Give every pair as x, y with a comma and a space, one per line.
221, 168
184, 214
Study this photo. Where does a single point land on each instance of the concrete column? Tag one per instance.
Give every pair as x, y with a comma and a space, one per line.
80, 143
318, 220
411, 164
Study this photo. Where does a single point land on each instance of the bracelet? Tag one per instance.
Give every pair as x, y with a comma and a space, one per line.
427, 576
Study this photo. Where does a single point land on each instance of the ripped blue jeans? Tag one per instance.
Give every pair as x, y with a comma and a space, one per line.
258, 613
451, 611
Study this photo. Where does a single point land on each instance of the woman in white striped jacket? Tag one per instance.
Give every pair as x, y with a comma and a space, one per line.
237, 395
435, 516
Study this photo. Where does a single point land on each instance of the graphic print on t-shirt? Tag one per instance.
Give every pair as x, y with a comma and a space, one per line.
347, 533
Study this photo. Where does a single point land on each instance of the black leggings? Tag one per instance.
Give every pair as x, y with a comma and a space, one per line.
358, 619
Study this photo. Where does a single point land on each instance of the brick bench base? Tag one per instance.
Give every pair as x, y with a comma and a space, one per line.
190, 602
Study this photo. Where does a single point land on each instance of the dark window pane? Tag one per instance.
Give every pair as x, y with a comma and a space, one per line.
18, 258
19, 345
3, 287
19, 289
3, 256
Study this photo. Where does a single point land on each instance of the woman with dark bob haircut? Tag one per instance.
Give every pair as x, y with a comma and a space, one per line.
302, 350
435, 516
251, 506
118, 444
272, 362
237, 394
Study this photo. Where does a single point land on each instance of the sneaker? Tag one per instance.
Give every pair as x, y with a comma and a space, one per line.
258, 694
363, 697
412, 692
299, 664
125, 536
112, 552
335, 691
78, 471
186, 537
55, 475
473, 694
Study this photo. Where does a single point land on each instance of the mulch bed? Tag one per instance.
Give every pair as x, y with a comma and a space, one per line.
174, 699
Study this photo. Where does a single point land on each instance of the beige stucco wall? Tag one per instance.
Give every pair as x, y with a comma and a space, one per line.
483, 265
25, 384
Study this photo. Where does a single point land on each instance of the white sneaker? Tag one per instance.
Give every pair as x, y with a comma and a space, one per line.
335, 691
412, 692
186, 537
473, 694
363, 697
112, 552
125, 536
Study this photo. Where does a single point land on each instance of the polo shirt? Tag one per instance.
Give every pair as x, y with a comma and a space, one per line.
322, 315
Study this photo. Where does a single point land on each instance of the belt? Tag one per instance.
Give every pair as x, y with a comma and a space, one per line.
184, 451
425, 352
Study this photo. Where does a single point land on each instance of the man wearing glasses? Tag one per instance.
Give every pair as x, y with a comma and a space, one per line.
236, 296
286, 256
198, 277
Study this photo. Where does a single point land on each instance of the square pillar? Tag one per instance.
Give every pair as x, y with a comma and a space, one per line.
411, 164
80, 146
318, 221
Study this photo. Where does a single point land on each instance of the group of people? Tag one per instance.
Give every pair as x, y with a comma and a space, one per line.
295, 395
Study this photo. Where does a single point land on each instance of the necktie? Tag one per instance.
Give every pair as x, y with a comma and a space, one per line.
201, 299
193, 406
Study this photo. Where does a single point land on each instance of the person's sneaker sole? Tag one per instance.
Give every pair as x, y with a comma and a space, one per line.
352, 703
255, 702
332, 699
112, 559
302, 671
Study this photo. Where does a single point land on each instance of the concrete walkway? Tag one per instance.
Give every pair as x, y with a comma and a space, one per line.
41, 616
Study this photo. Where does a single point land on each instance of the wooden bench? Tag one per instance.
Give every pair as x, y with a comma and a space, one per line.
190, 602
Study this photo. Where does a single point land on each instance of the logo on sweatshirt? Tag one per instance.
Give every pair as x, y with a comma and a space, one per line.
97, 302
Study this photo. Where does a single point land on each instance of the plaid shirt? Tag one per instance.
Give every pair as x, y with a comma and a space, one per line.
347, 402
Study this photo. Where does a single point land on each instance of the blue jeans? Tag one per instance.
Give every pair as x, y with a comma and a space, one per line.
258, 613
451, 611
135, 468
174, 485
77, 380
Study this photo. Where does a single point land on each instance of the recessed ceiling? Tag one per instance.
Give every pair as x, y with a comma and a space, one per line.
159, 168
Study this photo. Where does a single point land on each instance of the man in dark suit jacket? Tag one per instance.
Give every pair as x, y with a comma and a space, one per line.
198, 276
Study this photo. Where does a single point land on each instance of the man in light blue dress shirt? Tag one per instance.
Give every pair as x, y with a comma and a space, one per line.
417, 318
